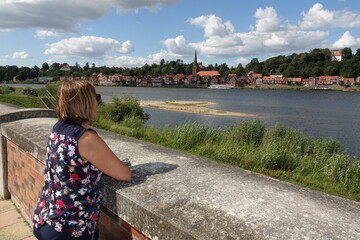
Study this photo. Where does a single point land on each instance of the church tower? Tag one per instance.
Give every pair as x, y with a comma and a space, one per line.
195, 66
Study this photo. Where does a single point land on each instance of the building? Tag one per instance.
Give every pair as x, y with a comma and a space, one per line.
336, 55
65, 67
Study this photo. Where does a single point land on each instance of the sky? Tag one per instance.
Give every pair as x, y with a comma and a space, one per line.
130, 33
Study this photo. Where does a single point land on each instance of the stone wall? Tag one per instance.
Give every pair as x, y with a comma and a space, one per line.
175, 195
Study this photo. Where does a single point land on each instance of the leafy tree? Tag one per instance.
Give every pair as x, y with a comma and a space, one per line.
86, 67
239, 70
223, 69
357, 52
347, 53
55, 66
24, 73
251, 65
331, 71
290, 71
316, 72
45, 66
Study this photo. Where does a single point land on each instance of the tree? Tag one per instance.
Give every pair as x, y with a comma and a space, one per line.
86, 67
239, 70
357, 52
251, 65
45, 66
331, 71
290, 71
316, 72
24, 73
55, 66
347, 53
223, 69
162, 62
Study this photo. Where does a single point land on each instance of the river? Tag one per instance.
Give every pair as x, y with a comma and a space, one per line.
325, 114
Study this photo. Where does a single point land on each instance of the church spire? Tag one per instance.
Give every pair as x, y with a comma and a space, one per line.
195, 66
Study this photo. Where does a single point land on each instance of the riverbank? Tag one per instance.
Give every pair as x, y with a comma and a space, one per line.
195, 107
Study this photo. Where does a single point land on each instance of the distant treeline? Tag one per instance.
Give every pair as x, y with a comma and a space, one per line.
317, 62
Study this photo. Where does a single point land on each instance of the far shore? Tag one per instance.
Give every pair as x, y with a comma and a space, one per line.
196, 107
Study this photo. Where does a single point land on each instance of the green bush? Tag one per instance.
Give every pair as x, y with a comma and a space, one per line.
50, 87
118, 109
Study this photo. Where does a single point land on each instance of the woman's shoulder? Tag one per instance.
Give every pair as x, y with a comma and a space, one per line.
69, 128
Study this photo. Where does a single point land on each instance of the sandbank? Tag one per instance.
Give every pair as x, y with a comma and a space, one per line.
196, 107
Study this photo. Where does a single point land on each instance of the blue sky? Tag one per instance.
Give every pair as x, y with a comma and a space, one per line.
126, 33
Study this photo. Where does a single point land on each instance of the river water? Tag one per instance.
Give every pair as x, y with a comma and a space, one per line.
325, 114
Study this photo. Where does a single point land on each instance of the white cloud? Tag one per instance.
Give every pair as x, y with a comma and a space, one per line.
129, 61
242, 60
126, 61
64, 15
83, 47
213, 25
178, 46
268, 20
20, 55
3, 59
268, 37
42, 34
318, 17
347, 41
126, 47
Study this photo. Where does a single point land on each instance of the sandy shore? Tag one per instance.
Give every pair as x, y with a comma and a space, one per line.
192, 107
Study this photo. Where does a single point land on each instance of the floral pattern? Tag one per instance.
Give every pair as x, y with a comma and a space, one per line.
70, 198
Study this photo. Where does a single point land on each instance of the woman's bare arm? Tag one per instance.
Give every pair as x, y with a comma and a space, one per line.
93, 149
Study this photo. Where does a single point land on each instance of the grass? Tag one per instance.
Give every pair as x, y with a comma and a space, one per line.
22, 101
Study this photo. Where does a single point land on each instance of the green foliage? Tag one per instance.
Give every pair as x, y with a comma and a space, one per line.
22, 101
6, 90
118, 109
247, 132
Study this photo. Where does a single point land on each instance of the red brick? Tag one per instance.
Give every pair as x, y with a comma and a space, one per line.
120, 232
104, 220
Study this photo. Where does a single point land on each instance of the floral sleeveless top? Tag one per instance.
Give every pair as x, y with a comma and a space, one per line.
70, 197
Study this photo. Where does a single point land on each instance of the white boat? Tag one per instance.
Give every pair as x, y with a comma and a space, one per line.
221, 86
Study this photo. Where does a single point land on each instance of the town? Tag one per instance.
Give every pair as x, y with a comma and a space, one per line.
211, 79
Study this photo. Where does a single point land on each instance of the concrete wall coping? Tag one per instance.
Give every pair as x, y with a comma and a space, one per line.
174, 195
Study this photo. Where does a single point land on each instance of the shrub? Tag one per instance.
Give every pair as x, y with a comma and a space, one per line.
118, 109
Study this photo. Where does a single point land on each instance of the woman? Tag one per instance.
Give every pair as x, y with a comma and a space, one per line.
76, 157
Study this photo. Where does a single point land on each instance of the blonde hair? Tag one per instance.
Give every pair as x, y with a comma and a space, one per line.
75, 100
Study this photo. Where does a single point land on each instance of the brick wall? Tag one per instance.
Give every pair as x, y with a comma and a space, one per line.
25, 180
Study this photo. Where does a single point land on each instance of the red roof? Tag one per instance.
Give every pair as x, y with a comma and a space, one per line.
257, 75
208, 73
179, 76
